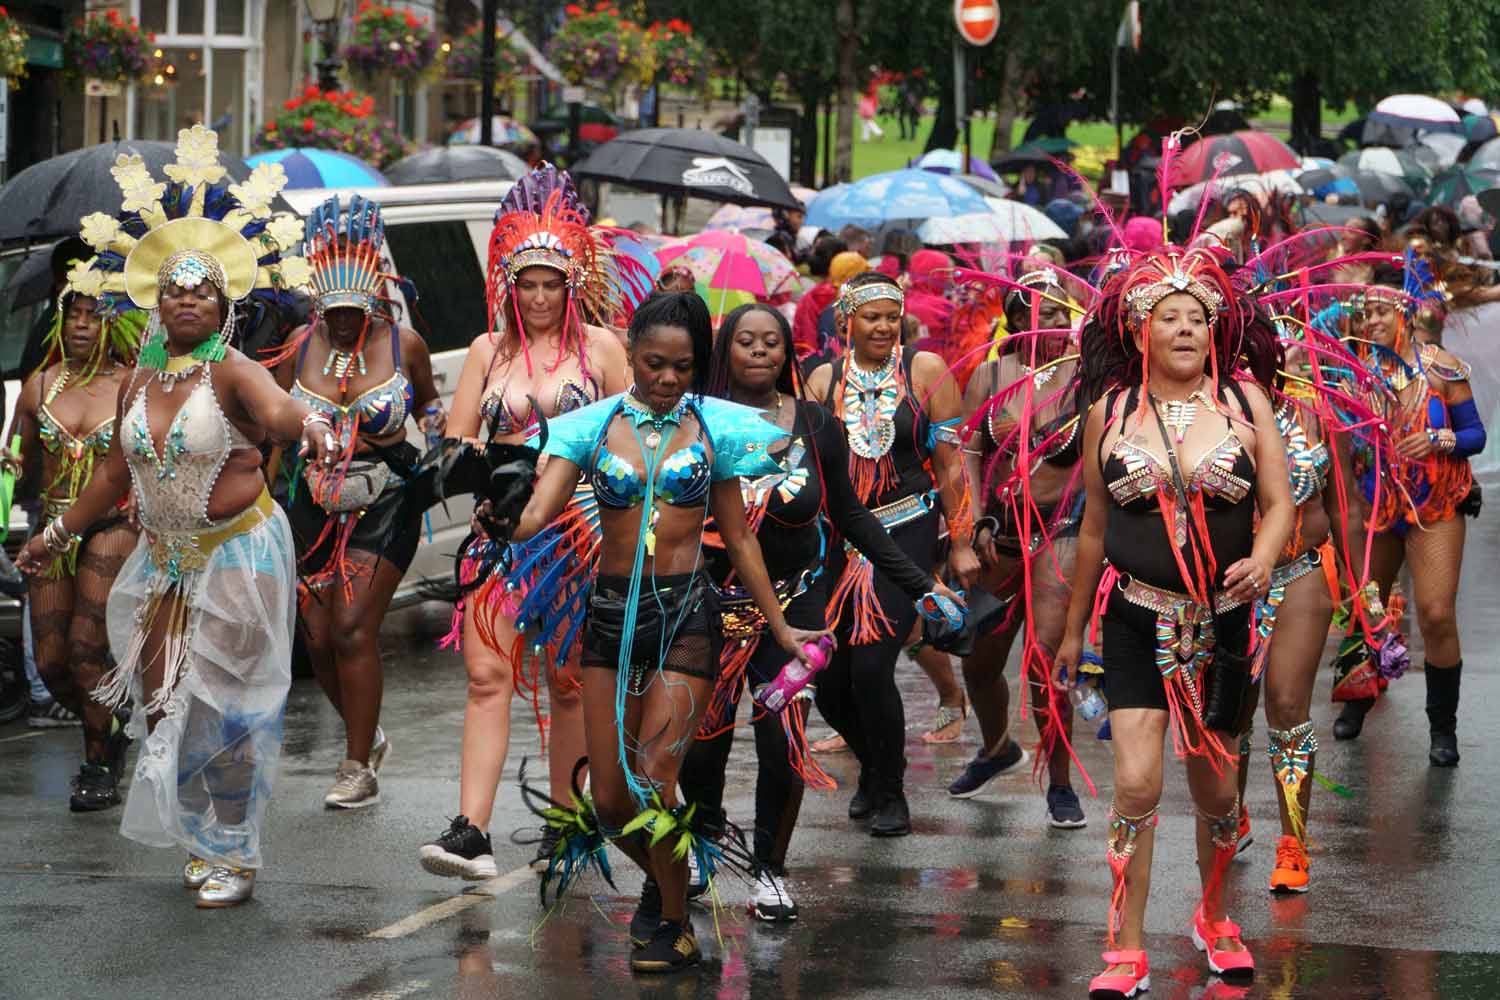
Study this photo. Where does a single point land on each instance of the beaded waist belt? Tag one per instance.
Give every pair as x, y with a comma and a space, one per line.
1297, 568
905, 510
180, 552
1171, 604
743, 618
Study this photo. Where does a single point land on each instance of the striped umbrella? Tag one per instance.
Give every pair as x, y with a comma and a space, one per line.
1450, 186
730, 269
505, 132
321, 168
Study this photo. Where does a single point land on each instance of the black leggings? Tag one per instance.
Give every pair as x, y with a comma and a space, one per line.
778, 789
857, 692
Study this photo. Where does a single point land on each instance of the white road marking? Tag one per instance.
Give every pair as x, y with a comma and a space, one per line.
480, 893
24, 736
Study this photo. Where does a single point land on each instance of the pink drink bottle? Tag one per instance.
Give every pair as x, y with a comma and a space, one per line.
795, 676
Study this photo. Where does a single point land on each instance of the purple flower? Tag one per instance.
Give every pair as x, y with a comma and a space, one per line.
1392, 658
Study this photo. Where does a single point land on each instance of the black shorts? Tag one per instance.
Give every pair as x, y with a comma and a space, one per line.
1131, 677
677, 625
390, 527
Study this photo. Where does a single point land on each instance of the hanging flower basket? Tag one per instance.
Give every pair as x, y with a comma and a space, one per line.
106, 46
387, 42
463, 60
598, 46
680, 59
342, 121
13, 39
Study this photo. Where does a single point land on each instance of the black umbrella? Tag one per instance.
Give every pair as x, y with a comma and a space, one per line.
46, 200
1013, 161
1376, 187
692, 162
448, 164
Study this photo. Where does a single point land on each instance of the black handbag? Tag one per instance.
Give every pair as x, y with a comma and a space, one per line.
986, 613
1225, 684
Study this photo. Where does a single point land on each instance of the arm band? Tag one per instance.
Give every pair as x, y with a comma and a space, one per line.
1468, 429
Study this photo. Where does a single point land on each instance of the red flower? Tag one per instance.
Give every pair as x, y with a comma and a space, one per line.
311, 92
308, 124
573, 10
291, 104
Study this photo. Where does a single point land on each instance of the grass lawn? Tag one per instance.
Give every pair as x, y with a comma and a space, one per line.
892, 153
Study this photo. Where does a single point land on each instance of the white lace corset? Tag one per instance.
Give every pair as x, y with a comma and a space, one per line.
174, 485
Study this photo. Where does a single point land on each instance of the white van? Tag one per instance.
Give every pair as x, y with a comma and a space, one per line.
437, 237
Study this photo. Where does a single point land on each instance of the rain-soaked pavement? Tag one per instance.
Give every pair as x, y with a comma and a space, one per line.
983, 900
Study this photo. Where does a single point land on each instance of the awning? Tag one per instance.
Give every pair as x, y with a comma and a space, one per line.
519, 39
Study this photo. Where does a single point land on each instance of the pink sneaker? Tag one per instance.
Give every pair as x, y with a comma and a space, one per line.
1121, 985
1236, 964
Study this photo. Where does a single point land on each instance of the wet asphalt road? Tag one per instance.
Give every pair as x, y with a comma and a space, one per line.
984, 900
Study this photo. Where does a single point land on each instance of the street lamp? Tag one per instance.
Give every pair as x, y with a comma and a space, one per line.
325, 14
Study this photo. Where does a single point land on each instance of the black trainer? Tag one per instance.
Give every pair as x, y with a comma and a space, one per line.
672, 947
647, 914
94, 789
119, 744
892, 817
463, 852
863, 803
1351, 718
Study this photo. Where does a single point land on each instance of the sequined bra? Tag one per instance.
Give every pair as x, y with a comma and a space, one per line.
1224, 475
571, 395
683, 476
1307, 464
381, 411
175, 483
58, 440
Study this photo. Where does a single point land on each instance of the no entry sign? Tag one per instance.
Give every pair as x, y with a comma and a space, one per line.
977, 20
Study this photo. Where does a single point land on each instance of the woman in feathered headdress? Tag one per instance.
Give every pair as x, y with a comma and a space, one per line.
551, 278
1179, 457
357, 526
1419, 496
1022, 452
65, 422
200, 616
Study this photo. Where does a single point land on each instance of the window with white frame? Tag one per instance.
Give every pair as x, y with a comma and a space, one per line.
207, 59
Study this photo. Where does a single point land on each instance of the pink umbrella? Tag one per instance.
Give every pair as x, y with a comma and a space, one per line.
731, 268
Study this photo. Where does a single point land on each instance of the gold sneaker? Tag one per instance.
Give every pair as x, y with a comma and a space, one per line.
226, 886
380, 749
195, 872
354, 787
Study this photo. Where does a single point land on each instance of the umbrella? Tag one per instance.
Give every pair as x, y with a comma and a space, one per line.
1020, 221
641, 250
685, 161
321, 168
1398, 120
1327, 181
1247, 152
1263, 185
1486, 157
1481, 128
1019, 158
730, 268
985, 186
1053, 145
951, 161
1437, 150
742, 218
1450, 186
901, 198
595, 124
1225, 118
46, 200
1381, 160
804, 194
450, 164
1320, 213
505, 131
1376, 188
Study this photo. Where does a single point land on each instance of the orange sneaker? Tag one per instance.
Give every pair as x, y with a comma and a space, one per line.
1291, 866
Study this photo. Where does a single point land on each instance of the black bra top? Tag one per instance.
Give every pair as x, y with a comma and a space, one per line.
1058, 442
1136, 539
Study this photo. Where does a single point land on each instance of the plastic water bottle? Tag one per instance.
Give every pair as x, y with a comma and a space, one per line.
1088, 704
795, 675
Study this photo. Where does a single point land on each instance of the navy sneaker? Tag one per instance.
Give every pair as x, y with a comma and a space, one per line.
1063, 810
979, 771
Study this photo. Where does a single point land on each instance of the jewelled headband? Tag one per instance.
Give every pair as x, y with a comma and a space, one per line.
1144, 298
541, 249
190, 268
851, 299
1040, 279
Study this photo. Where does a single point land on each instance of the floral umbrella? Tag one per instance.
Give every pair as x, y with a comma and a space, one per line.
739, 218
505, 132
730, 268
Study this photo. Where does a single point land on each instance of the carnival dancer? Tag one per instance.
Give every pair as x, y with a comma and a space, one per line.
1026, 502
200, 617
791, 512
659, 458
356, 527
900, 411
547, 280
1417, 507
65, 422
1178, 456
